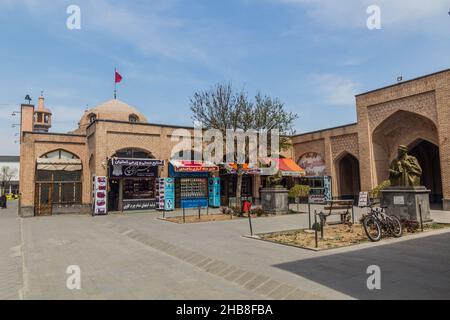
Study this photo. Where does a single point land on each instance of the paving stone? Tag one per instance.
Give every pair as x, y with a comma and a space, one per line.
267, 287
256, 282
235, 274
226, 271
298, 294
246, 277
204, 262
281, 292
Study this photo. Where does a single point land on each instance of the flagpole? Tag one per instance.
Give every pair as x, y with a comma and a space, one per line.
115, 84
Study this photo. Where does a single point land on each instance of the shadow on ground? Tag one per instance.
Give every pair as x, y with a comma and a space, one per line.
413, 269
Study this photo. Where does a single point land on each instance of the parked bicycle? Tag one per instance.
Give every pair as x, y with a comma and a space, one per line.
378, 222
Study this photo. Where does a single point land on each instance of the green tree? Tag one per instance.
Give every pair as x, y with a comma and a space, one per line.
223, 108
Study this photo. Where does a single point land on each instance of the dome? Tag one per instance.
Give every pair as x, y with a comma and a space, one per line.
113, 110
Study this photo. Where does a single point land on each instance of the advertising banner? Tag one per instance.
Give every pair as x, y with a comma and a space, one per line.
99, 196
134, 168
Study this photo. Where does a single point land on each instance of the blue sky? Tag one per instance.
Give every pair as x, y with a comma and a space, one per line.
313, 55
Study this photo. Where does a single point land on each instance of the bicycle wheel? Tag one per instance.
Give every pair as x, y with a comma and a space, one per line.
372, 228
396, 227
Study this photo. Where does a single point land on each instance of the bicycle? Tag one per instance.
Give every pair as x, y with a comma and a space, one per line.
378, 222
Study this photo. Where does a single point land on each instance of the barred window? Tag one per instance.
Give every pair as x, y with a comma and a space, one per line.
66, 185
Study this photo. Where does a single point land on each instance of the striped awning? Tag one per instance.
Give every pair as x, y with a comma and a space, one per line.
59, 164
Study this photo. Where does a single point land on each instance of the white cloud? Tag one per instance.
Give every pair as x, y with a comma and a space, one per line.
334, 89
395, 14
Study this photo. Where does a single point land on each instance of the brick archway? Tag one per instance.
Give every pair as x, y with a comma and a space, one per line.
347, 173
401, 128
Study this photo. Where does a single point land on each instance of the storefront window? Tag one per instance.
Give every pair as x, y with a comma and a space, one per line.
139, 188
193, 188
133, 154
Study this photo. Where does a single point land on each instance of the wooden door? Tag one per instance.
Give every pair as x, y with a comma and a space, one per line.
43, 199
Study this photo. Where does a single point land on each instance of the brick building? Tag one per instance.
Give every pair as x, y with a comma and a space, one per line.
415, 113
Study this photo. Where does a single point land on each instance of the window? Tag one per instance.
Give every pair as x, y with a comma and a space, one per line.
66, 185
133, 118
92, 117
133, 154
59, 154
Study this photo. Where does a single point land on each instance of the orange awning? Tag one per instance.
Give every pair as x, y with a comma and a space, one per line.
287, 166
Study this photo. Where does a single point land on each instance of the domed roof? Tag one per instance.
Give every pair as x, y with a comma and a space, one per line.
113, 110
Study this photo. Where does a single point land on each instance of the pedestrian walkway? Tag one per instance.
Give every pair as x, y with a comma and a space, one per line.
11, 258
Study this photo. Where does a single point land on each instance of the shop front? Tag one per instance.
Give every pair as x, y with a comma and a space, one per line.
196, 184
290, 171
228, 179
133, 184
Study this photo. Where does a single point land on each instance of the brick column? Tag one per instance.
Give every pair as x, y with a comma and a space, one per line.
366, 162
443, 108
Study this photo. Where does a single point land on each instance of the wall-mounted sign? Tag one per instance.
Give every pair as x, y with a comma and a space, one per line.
313, 164
129, 168
99, 196
399, 200
139, 204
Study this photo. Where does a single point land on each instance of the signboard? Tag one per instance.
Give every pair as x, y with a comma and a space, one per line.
327, 189
139, 204
363, 199
399, 200
316, 199
129, 168
313, 164
194, 203
99, 190
165, 193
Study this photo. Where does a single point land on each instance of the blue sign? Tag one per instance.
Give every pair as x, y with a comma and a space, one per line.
214, 192
194, 203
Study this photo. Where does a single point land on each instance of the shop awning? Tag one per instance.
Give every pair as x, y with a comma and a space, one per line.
287, 167
193, 166
59, 164
247, 168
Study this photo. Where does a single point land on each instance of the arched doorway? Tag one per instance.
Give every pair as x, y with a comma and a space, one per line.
349, 179
400, 128
133, 173
427, 154
58, 182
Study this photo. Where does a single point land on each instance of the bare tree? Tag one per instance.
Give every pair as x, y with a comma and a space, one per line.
223, 109
6, 174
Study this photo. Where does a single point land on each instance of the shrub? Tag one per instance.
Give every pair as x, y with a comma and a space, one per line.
376, 192
299, 191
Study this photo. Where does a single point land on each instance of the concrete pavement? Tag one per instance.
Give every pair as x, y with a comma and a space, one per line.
139, 256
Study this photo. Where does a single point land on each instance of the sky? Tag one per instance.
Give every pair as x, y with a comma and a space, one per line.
313, 55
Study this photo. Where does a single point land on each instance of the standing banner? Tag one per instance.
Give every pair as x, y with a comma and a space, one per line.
363, 199
99, 196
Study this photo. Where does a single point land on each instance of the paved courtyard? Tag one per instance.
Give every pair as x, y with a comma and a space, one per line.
139, 256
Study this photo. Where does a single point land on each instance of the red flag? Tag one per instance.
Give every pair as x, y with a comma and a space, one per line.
118, 77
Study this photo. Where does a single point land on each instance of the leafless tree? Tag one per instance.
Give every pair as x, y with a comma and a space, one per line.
223, 109
6, 174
